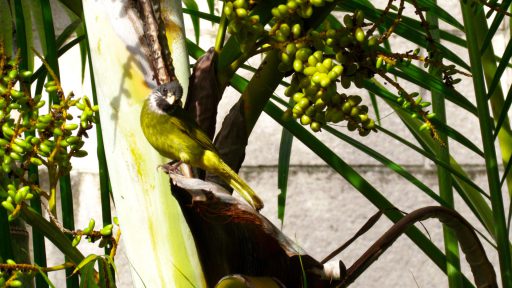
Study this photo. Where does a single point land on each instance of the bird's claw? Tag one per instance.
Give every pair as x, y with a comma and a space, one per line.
172, 167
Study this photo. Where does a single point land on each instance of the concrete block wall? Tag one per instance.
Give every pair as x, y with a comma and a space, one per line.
322, 210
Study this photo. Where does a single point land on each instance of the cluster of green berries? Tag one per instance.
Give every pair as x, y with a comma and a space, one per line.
12, 277
321, 59
302, 8
385, 64
415, 104
105, 234
31, 138
245, 27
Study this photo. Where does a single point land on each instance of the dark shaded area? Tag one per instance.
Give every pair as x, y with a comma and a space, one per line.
232, 238
204, 93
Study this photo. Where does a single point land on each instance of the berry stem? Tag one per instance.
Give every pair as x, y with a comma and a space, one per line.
221, 33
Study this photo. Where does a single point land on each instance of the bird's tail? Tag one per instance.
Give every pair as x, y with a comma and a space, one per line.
231, 178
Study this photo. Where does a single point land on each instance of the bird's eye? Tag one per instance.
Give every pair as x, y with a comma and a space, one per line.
164, 91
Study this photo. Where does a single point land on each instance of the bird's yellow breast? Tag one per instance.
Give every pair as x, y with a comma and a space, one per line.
168, 139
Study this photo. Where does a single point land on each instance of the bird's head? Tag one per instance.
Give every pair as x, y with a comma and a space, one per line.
171, 92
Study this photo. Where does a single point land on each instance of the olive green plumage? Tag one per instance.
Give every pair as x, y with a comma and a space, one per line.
171, 131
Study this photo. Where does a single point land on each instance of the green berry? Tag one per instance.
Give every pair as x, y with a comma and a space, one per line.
359, 34
320, 104
312, 60
275, 12
354, 111
317, 3
283, 10
306, 11
325, 81
303, 53
57, 132
317, 77
80, 153
321, 68
13, 74
359, 15
346, 108
370, 124
51, 89
36, 161
291, 49
364, 132
107, 230
297, 111
347, 20
305, 120
241, 12
315, 126
303, 103
297, 65
8, 206
310, 111
285, 29
378, 63
311, 90
296, 30
70, 127
285, 58
228, 9
327, 63
17, 148
352, 126
338, 69
76, 240
355, 100
363, 118
15, 283
372, 41
239, 4
309, 71
90, 227
297, 96
337, 116
7, 130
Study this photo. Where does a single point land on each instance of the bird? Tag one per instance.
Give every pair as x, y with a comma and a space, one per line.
175, 135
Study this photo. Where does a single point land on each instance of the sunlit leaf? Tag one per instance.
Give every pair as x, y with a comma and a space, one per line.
192, 6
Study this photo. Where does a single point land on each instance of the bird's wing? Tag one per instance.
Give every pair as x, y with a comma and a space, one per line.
188, 126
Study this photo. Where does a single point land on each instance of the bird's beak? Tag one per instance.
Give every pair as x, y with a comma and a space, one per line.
173, 100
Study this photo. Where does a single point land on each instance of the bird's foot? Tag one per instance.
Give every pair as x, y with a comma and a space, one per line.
172, 167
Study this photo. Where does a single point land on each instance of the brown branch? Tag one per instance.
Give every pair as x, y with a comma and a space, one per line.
481, 267
394, 24
494, 7
34, 268
380, 20
151, 34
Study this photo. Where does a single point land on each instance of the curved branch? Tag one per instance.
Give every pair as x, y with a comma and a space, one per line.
481, 267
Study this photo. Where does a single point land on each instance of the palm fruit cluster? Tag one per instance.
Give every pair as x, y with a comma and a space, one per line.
105, 234
244, 26
322, 60
319, 59
30, 137
12, 277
